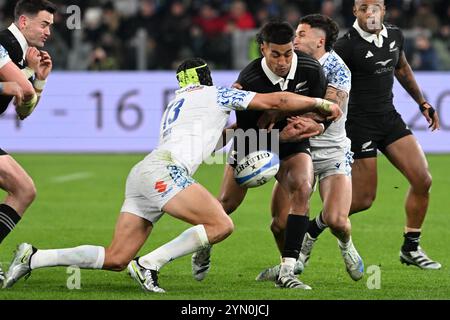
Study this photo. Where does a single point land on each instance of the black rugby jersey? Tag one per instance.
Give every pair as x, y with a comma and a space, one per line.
372, 70
15, 52
309, 80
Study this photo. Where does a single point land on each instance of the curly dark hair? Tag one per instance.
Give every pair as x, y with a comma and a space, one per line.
326, 24
203, 73
277, 32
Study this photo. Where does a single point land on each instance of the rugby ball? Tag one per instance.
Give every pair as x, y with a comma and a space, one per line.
256, 169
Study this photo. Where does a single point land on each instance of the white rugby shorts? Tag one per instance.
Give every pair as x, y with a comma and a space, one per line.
331, 161
151, 183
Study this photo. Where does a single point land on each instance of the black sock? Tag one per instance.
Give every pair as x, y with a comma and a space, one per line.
295, 231
316, 226
8, 220
411, 241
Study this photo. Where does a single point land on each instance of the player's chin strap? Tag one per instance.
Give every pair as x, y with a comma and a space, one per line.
189, 76
426, 106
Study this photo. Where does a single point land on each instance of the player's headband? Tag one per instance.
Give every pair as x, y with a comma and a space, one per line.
189, 76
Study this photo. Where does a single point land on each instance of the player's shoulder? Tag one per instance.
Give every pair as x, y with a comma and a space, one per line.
349, 36
393, 30
252, 71
304, 60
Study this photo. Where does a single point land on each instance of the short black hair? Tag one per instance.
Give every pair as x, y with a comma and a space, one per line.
203, 73
325, 24
32, 8
278, 32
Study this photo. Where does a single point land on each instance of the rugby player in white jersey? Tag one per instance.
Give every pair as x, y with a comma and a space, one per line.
330, 152
162, 182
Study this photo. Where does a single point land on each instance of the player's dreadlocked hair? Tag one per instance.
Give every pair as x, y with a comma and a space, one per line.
325, 24
194, 71
277, 32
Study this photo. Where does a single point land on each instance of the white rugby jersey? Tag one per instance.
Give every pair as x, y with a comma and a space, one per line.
193, 122
338, 75
4, 57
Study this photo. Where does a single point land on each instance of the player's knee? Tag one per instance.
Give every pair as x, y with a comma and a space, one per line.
301, 193
115, 261
338, 222
363, 202
26, 192
423, 184
228, 204
278, 226
220, 229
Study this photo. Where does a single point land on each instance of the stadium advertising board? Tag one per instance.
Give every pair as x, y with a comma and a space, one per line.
121, 111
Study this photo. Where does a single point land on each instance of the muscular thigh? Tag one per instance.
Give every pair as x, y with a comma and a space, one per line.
336, 194
295, 172
364, 178
195, 205
408, 157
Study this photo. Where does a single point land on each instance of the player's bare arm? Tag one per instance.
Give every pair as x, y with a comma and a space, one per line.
291, 102
337, 96
405, 76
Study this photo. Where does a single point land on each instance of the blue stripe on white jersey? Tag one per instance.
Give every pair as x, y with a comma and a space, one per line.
337, 73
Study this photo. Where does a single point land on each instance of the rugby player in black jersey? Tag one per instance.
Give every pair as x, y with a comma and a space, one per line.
280, 69
374, 53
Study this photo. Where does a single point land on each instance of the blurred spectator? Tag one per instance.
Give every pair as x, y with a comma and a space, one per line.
424, 55
425, 18
156, 34
239, 18
442, 45
329, 9
101, 61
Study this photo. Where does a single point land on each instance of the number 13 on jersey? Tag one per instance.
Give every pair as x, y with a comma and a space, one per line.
171, 115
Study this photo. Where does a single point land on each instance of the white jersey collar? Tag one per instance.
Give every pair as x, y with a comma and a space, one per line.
277, 79
324, 58
371, 37
20, 37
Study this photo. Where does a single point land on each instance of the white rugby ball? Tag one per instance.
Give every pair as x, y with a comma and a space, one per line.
256, 169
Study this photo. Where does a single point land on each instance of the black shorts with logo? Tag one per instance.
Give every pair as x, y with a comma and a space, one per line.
242, 148
369, 133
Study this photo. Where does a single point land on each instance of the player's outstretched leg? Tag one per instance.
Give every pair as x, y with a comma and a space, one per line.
201, 263
20, 265
148, 279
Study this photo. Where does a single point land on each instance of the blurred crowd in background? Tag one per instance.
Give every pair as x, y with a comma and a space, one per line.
157, 34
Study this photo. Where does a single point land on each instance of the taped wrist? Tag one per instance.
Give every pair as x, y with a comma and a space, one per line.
426, 106
27, 107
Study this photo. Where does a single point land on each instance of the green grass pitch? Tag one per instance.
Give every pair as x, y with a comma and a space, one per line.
79, 197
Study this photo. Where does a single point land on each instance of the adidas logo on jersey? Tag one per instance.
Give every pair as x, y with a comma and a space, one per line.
369, 54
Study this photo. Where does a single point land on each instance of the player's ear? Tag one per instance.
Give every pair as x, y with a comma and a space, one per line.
22, 22
355, 10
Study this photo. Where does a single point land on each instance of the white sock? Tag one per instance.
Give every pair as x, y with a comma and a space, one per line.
345, 245
86, 257
189, 241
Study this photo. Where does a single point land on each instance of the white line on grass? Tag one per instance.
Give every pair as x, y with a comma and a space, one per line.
72, 177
